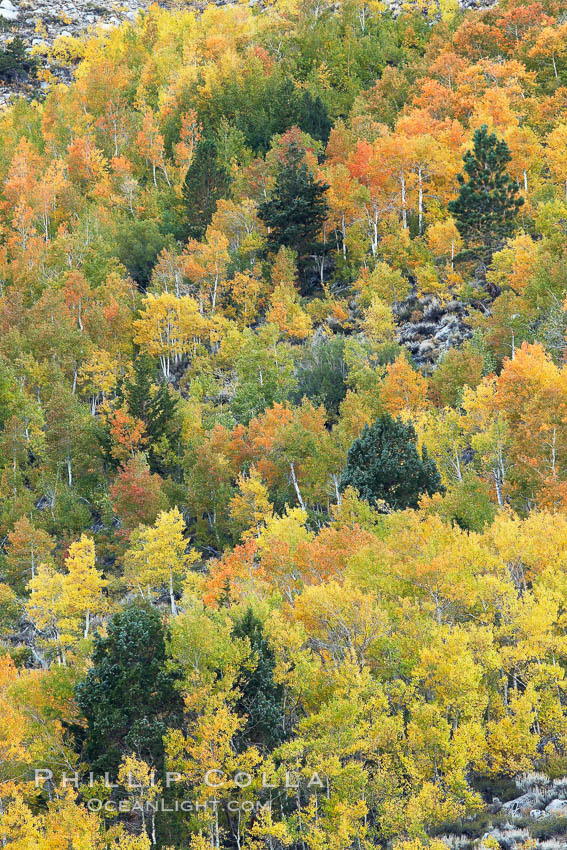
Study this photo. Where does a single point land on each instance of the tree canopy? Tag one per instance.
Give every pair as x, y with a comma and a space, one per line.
283, 429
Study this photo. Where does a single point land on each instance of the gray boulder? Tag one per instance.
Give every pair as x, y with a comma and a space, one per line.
557, 807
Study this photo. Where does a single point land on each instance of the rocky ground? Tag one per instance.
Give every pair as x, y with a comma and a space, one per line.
39, 24
428, 328
534, 820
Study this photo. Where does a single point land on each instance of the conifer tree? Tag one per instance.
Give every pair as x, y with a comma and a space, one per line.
138, 244
261, 698
205, 183
488, 201
386, 467
155, 407
128, 697
314, 118
296, 211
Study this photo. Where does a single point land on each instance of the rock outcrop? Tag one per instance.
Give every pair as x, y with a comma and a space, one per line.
38, 24
537, 818
428, 328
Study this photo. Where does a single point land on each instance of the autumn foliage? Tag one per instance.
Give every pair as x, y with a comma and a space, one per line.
283, 428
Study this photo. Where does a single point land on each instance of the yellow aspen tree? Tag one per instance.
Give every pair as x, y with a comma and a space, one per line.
66, 823
246, 289
444, 240
20, 829
46, 195
189, 136
346, 198
556, 155
417, 844
250, 507
61, 605
404, 390
278, 544
138, 778
131, 842
442, 433
83, 585
157, 558
489, 435
527, 154
167, 274
44, 608
98, 377
199, 842
285, 310
151, 145
15, 754
168, 327
205, 265
514, 265
383, 282
378, 322
239, 222
512, 742
550, 47
209, 751
266, 833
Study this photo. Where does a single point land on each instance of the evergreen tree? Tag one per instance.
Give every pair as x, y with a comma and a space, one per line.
488, 201
128, 698
257, 108
280, 107
205, 183
155, 407
321, 373
297, 209
138, 245
384, 465
16, 64
314, 118
138, 389
261, 698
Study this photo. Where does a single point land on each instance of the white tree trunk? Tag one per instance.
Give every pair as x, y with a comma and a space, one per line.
296, 486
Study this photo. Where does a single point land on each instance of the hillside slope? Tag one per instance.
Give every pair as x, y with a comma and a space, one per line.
283, 432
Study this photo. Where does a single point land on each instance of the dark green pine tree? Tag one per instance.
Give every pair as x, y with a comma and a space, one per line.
384, 464
205, 183
296, 211
261, 698
485, 211
156, 408
15, 62
138, 390
138, 244
128, 698
314, 118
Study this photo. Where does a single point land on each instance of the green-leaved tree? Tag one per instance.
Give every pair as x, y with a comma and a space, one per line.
488, 202
386, 467
296, 211
205, 183
128, 698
